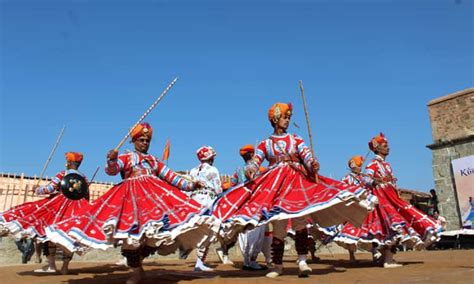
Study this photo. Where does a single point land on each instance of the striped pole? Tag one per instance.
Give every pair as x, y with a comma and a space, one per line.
146, 113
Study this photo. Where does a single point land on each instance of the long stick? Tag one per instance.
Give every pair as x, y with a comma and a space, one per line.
316, 178
146, 113
51, 155
93, 176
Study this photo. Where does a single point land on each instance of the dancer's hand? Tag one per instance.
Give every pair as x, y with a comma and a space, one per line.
198, 184
315, 166
35, 187
112, 155
250, 173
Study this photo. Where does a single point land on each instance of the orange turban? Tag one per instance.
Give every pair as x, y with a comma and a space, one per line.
277, 109
74, 157
356, 161
247, 149
376, 141
142, 129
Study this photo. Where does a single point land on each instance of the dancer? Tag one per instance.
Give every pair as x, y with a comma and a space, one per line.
394, 222
288, 190
355, 177
209, 176
32, 218
147, 211
254, 241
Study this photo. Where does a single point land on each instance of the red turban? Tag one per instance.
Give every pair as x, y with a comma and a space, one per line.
74, 157
356, 161
277, 109
247, 149
205, 153
376, 141
142, 129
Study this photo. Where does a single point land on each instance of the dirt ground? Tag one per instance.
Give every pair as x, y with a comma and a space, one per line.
450, 266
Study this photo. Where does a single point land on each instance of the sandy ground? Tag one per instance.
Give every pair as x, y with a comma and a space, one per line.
451, 266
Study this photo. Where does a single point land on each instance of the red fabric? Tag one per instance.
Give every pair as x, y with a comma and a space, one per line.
34, 217
286, 190
131, 208
205, 153
393, 218
376, 141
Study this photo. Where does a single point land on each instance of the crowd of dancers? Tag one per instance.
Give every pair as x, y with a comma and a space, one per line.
155, 210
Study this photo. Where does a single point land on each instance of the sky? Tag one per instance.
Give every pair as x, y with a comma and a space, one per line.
96, 66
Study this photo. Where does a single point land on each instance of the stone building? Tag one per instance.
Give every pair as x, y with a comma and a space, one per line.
452, 125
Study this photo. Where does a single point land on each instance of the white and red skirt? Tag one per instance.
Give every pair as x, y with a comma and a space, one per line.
392, 222
285, 192
138, 210
30, 219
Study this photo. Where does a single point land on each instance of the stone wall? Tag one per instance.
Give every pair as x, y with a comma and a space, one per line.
444, 179
452, 116
452, 123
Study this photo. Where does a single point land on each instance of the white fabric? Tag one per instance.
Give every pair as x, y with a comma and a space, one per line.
251, 243
209, 175
458, 232
280, 226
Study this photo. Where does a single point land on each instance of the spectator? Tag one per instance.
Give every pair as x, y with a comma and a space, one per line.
440, 220
433, 203
26, 247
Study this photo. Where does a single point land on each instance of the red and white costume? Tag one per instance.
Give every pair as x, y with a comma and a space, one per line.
393, 221
286, 191
31, 218
147, 207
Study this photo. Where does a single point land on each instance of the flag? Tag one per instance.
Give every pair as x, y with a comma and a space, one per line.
166, 151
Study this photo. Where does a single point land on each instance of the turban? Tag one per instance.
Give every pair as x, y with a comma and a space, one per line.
142, 129
74, 157
205, 153
356, 161
376, 141
277, 109
247, 149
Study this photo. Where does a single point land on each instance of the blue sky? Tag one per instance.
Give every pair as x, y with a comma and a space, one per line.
96, 66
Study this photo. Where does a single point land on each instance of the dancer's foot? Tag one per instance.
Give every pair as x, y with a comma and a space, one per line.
203, 268
276, 271
391, 265
304, 269
45, 269
220, 254
122, 262
227, 261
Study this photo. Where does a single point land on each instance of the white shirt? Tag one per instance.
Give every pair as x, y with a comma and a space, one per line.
209, 175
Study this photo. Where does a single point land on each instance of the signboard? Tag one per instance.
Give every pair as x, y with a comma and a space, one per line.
463, 170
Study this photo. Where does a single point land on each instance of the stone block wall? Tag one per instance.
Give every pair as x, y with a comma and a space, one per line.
444, 179
452, 125
452, 116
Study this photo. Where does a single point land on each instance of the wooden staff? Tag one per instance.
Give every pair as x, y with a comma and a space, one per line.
49, 158
93, 176
316, 178
146, 113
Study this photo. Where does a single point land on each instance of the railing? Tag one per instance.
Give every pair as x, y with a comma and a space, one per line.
16, 189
